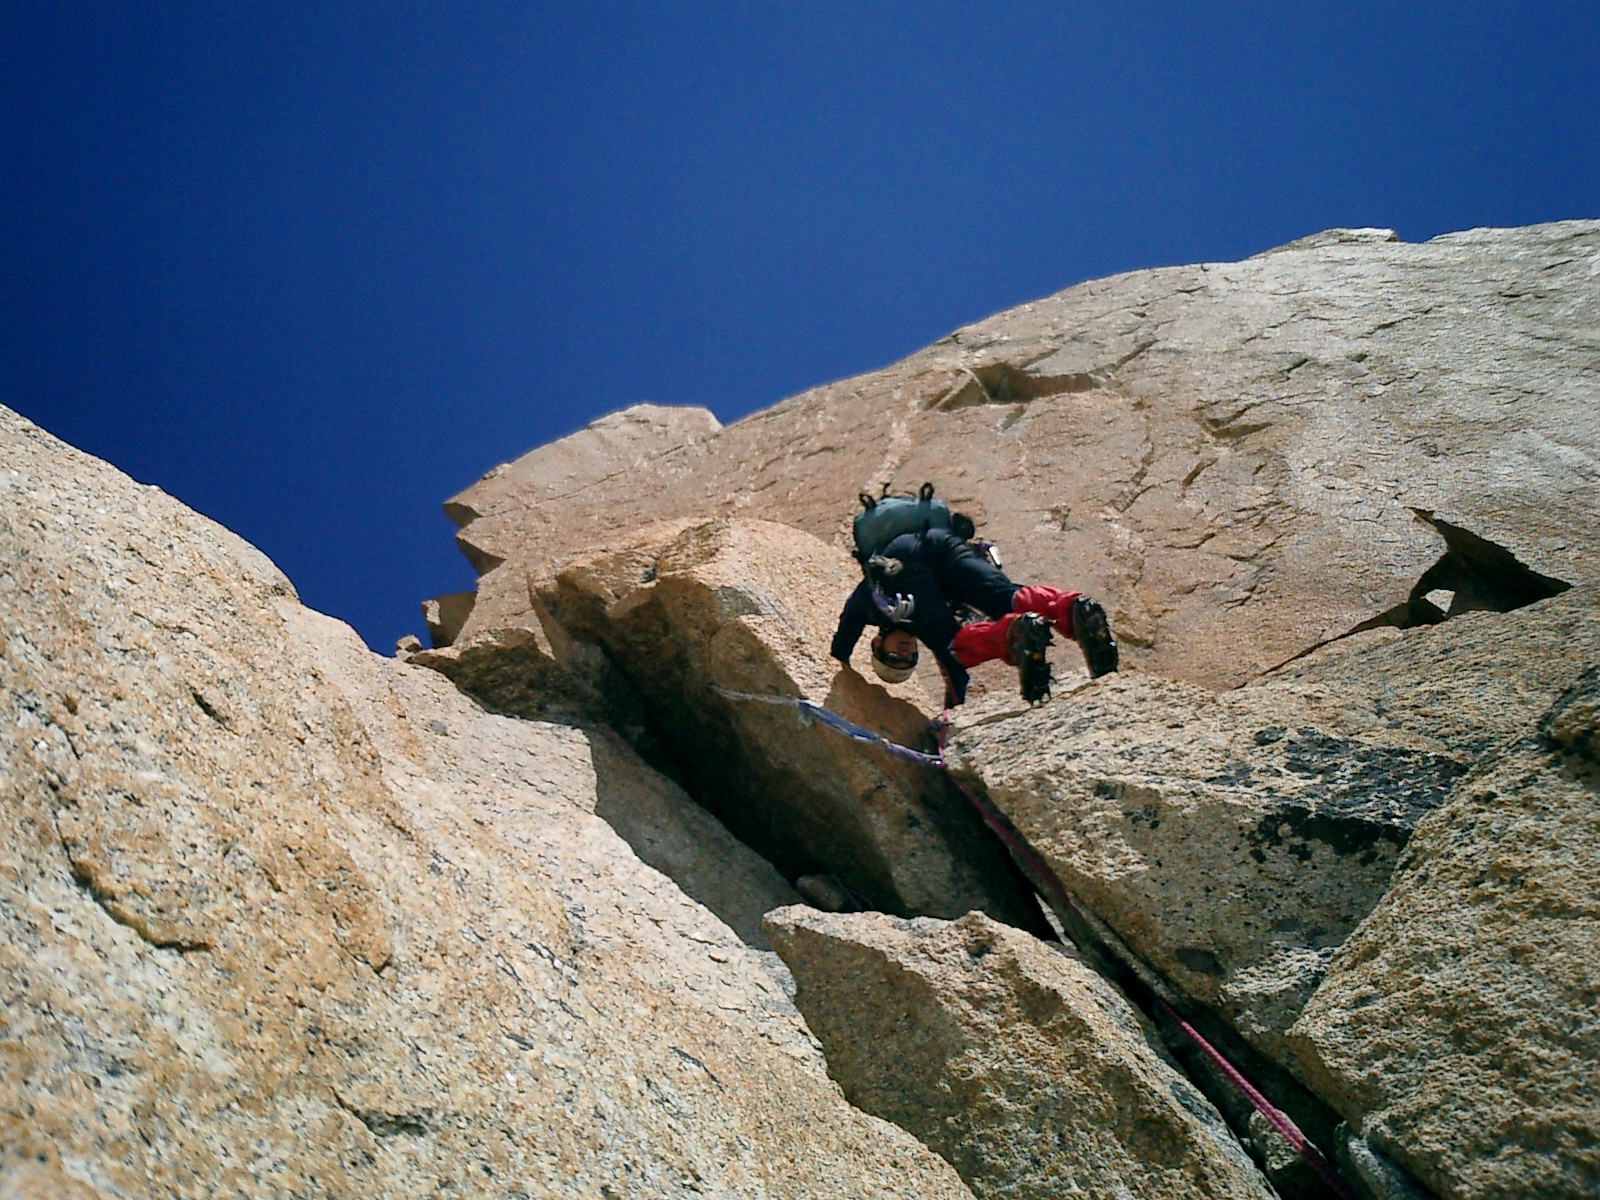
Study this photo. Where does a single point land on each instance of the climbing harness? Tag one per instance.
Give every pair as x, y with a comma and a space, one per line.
1037, 869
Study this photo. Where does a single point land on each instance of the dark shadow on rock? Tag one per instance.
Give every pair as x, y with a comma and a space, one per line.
683, 841
1476, 575
856, 698
445, 615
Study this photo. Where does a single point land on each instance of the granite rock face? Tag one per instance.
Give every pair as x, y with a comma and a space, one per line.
1458, 1027
1012, 1059
1243, 460
283, 917
278, 916
1235, 840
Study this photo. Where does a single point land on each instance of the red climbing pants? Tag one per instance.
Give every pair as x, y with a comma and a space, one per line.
985, 640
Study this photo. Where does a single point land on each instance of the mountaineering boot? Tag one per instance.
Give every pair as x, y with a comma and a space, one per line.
1026, 642
1093, 632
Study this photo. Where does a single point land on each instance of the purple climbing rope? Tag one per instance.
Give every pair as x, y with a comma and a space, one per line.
1272, 1115
810, 711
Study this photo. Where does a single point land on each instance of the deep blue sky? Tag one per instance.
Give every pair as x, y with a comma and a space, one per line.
313, 268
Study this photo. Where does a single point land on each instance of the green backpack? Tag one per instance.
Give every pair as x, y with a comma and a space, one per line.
884, 518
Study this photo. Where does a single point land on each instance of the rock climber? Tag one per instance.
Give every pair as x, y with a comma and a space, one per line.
913, 583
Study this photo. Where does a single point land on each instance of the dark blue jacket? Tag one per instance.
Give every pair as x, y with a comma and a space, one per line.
936, 569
